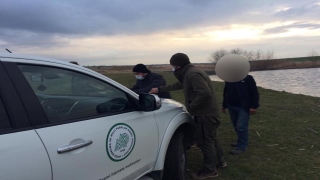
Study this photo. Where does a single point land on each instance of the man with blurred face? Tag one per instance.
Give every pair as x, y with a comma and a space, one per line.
242, 100
146, 80
201, 102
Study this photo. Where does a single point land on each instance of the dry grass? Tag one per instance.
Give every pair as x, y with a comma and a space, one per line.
284, 137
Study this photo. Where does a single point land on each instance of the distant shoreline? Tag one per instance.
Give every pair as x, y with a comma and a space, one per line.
261, 65
213, 72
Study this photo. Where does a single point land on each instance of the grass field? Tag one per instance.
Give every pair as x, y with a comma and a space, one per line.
284, 137
273, 64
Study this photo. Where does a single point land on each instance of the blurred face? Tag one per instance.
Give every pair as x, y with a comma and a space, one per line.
232, 68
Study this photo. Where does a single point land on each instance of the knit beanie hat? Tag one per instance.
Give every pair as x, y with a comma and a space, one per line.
140, 68
179, 59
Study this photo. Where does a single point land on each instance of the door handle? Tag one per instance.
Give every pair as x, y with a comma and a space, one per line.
69, 148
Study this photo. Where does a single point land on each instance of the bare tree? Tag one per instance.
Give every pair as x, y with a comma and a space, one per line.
259, 55
248, 55
313, 53
215, 56
269, 55
236, 51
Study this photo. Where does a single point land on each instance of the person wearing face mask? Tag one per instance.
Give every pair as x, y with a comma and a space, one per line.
201, 102
146, 80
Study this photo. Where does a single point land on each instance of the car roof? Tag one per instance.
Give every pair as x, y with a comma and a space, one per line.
43, 59
30, 57
39, 58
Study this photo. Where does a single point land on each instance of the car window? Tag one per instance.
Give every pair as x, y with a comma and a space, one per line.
4, 118
66, 94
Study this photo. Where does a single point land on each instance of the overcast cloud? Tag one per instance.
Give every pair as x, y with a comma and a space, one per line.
123, 31
285, 28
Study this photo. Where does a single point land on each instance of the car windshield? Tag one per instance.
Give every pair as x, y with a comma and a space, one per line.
46, 80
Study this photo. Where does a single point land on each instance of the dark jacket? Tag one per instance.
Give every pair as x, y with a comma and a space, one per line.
200, 99
152, 80
246, 92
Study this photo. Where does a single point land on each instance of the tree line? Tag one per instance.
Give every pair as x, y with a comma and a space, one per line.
250, 55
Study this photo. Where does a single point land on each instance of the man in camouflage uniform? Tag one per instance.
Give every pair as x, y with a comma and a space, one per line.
201, 102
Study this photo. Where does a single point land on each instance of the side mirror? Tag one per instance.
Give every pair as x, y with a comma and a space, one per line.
149, 102
36, 78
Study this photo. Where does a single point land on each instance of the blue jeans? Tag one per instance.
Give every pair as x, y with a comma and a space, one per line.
240, 120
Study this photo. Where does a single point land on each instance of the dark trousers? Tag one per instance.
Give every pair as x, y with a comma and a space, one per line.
240, 121
207, 140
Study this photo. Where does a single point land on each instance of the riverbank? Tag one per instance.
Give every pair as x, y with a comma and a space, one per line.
284, 136
280, 64
261, 65
296, 81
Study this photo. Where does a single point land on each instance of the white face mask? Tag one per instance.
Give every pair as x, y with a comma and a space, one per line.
139, 77
173, 69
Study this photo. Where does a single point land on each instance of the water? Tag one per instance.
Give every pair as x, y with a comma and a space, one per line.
297, 81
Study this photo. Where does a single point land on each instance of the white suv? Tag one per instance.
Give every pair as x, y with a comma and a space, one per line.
61, 121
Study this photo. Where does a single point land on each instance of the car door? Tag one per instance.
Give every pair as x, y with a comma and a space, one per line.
94, 129
22, 154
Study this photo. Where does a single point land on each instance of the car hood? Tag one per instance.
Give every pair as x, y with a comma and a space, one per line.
172, 103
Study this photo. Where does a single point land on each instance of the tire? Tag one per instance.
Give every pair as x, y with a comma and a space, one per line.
175, 166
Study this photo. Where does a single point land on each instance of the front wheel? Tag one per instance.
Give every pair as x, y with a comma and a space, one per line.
175, 166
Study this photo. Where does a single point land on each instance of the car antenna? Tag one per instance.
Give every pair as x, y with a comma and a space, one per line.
8, 50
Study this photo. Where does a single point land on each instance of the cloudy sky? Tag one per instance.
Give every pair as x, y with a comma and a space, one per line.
119, 32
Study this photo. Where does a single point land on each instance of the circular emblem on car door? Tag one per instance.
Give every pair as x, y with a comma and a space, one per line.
120, 142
